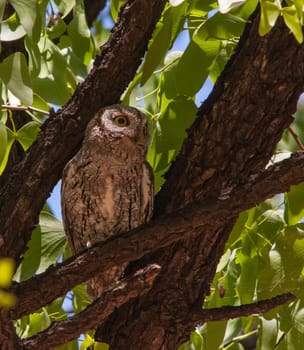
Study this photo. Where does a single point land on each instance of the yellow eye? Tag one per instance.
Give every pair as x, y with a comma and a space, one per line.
121, 121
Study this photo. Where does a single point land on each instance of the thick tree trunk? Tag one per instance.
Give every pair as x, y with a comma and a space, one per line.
233, 138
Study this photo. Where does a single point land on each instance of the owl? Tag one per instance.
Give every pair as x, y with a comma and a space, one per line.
107, 187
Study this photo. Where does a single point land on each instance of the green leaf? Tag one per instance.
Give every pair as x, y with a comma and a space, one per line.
247, 281
220, 26
31, 259
51, 84
194, 66
34, 57
196, 339
163, 37
27, 134
294, 204
299, 321
65, 6
272, 276
269, 15
53, 240
11, 29
80, 298
293, 22
3, 141
227, 5
57, 30
37, 323
29, 15
268, 331
214, 335
9, 144
157, 49
176, 2
80, 35
14, 73
47, 244
115, 7
168, 78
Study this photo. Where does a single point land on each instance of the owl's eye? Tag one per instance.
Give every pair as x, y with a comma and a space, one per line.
121, 120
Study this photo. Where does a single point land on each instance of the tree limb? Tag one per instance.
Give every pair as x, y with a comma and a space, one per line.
227, 312
159, 233
62, 332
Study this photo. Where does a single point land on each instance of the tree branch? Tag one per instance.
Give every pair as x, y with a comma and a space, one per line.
159, 233
227, 312
62, 332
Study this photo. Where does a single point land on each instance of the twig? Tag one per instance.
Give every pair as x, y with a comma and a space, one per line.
25, 108
296, 138
70, 329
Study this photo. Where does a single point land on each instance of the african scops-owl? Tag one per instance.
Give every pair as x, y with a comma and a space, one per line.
107, 187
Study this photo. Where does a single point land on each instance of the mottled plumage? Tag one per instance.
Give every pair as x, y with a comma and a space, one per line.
107, 187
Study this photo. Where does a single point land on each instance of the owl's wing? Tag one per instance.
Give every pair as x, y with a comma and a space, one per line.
70, 194
147, 192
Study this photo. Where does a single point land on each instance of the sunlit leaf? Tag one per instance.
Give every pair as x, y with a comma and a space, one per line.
80, 35
115, 7
294, 204
3, 141
220, 26
9, 144
227, 5
29, 15
194, 65
27, 134
268, 331
269, 15
11, 29
65, 6
293, 22
37, 323
14, 73
45, 247
176, 2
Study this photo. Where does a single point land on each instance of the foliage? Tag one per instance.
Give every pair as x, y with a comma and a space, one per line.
265, 252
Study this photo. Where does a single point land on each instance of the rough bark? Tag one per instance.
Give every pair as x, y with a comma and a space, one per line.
233, 137
62, 332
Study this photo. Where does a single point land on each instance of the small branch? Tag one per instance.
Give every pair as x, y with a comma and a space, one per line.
25, 108
159, 233
296, 138
62, 332
227, 312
